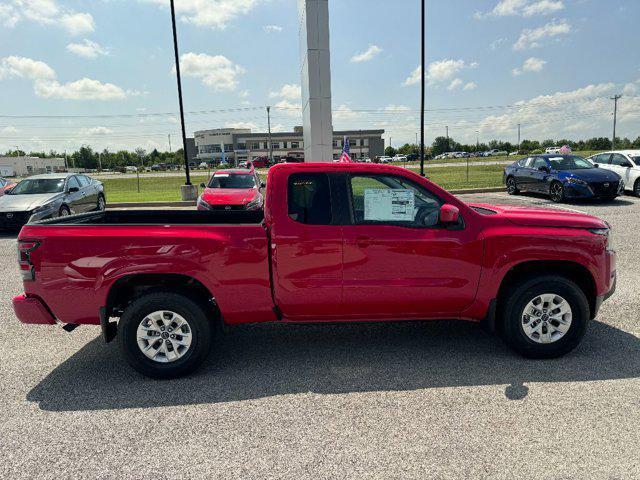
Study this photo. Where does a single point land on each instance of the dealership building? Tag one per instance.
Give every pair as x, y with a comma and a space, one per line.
24, 166
240, 144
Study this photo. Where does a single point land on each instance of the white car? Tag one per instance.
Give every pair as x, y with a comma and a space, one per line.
625, 163
553, 150
400, 158
385, 159
496, 153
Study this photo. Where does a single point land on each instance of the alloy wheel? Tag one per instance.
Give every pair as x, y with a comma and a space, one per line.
546, 318
164, 336
556, 192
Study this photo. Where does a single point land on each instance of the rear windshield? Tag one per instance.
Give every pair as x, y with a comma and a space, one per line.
36, 186
232, 180
569, 162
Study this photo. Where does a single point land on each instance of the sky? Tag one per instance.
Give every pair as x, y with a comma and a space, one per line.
101, 72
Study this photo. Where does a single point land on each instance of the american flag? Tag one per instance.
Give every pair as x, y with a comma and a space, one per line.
345, 157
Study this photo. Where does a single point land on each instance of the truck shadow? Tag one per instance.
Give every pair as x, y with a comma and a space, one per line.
262, 361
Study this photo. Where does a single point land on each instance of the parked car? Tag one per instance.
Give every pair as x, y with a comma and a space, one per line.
562, 177
385, 159
625, 163
261, 162
231, 190
130, 168
496, 153
399, 158
365, 160
49, 196
337, 242
552, 150
5, 185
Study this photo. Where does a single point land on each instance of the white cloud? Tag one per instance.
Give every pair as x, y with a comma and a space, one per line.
440, 71
367, 55
289, 91
288, 107
530, 38
9, 130
397, 108
531, 64
496, 43
87, 49
343, 112
470, 86
95, 131
272, 28
214, 71
209, 13
455, 84
83, 89
522, 8
46, 85
243, 94
413, 78
46, 12
250, 125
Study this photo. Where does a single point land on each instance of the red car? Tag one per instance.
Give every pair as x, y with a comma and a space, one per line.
337, 242
233, 189
5, 185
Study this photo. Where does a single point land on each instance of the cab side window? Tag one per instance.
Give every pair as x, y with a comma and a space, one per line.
393, 200
309, 198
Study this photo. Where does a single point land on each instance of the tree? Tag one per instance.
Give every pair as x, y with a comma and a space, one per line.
440, 145
85, 158
389, 151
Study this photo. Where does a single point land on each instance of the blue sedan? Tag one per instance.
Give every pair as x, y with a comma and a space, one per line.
562, 177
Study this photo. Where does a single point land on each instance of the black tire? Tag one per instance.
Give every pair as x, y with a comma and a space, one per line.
556, 192
191, 311
64, 211
636, 188
512, 188
610, 198
102, 203
522, 294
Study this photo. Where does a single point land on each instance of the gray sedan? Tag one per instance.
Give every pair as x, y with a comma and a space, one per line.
49, 196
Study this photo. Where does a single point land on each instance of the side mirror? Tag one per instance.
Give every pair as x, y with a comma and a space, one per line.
449, 214
626, 165
263, 185
7, 191
596, 165
543, 169
202, 185
73, 190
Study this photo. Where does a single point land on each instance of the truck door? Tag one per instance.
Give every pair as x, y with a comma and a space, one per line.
399, 262
306, 243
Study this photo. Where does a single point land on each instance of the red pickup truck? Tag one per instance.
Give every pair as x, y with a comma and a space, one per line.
335, 243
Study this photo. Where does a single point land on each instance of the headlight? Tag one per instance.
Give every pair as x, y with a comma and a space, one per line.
576, 181
202, 205
606, 232
254, 204
42, 211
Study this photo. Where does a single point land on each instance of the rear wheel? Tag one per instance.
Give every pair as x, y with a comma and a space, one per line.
102, 203
545, 317
512, 188
556, 192
636, 188
164, 335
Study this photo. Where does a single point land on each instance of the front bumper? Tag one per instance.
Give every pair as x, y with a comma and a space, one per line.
31, 310
593, 190
14, 220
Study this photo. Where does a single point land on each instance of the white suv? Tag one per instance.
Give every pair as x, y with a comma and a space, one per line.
625, 163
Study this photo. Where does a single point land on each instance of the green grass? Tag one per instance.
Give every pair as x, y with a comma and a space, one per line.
152, 188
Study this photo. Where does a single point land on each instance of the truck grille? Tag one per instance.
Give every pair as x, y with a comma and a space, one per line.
13, 219
604, 188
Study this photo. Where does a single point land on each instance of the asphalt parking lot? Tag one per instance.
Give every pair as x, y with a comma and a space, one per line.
412, 400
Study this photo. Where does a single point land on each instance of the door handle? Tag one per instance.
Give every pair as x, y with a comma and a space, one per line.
363, 241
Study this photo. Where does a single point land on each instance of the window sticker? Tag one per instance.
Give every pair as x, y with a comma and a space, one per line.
386, 204
221, 175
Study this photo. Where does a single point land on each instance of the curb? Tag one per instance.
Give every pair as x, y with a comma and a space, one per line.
193, 203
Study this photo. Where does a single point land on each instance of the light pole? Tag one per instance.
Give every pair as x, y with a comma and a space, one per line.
422, 39
270, 142
188, 192
615, 99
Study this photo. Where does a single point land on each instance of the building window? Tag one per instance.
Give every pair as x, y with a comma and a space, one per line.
228, 147
295, 144
336, 144
242, 146
355, 142
275, 144
255, 145
365, 142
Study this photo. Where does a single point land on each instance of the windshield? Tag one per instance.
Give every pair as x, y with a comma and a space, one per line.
569, 162
230, 180
636, 160
36, 186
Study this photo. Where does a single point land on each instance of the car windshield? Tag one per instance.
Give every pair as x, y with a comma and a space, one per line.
636, 160
231, 180
569, 162
40, 185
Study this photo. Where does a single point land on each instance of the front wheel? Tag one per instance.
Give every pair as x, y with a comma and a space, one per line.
556, 192
102, 203
636, 188
164, 335
545, 317
64, 211
512, 187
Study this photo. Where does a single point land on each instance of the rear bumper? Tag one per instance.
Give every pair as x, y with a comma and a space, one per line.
31, 310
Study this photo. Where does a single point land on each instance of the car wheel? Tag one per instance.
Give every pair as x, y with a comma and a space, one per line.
102, 203
636, 188
64, 211
164, 335
512, 188
556, 192
545, 317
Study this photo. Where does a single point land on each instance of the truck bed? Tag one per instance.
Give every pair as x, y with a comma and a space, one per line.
158, 217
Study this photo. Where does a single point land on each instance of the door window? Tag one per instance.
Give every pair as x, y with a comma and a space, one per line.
309, 198
538, 162
619, 160
84, 181
392, 200
72, 183
602, 159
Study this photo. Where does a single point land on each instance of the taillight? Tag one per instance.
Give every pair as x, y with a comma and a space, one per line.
27, 269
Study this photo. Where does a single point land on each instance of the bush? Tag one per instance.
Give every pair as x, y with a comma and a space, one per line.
537, 151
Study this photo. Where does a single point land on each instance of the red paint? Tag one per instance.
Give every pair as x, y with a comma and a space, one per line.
250, 198
31, 310
320, 273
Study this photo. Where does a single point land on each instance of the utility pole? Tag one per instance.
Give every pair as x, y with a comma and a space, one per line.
270, 142
169, 143
99, 162
518, 138
422, 88
188, 193
448, 147
477, 140
615, 99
